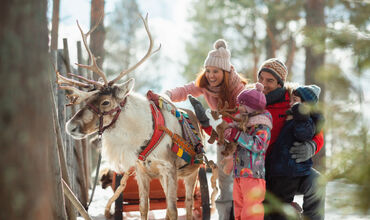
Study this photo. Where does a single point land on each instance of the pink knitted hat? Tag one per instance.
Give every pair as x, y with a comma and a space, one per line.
253, 98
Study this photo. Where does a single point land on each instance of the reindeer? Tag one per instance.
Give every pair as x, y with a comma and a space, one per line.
125, 121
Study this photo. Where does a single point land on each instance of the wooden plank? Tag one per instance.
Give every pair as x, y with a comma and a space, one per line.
54, 161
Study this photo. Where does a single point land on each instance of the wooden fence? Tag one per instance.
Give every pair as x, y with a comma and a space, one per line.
75, 156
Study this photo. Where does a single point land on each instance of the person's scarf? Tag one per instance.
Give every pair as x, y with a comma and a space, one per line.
275, 96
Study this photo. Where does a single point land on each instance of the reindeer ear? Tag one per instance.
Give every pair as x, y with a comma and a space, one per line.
121, 90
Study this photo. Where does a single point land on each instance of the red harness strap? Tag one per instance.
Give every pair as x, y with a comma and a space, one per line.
157, 134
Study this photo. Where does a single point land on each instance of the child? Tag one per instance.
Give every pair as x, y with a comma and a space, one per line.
309, 95
249, 158
291, 176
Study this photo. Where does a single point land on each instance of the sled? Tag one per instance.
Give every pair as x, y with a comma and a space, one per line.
129, 200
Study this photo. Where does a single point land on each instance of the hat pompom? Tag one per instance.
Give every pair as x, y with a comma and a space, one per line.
259, 86
220, 43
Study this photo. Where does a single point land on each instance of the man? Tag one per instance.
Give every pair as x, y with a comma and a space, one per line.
272, 74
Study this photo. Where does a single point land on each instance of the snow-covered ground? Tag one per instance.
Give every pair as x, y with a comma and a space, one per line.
336, 193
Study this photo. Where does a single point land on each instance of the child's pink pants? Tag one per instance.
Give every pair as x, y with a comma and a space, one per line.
248, 194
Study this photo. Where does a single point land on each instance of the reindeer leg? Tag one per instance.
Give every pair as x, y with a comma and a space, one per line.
214, 177
169, 184
143, 182
116, 194
189, 198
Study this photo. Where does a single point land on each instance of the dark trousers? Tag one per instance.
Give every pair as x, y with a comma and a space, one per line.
285, 188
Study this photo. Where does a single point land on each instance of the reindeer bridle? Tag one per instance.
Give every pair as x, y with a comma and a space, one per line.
101, 115
77, 95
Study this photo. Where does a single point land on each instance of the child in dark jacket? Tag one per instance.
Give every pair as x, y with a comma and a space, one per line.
301, 125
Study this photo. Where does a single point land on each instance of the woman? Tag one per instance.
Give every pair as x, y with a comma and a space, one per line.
218, 81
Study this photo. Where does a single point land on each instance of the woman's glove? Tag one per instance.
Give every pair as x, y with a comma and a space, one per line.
199, 111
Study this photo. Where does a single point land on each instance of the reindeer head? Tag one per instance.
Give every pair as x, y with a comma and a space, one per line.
104, 100
100, 110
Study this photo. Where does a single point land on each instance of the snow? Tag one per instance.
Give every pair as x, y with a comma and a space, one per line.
337, 193
96, 209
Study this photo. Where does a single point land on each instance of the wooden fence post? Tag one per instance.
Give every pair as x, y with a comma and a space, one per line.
84, 142
53, 155
63, 142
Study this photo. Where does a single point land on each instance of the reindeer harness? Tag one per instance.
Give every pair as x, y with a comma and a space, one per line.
181, 147
157, 134
97, 111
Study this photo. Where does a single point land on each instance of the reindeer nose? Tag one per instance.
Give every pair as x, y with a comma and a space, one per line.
74, 129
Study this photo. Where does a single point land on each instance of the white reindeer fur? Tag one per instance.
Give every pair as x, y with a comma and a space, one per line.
121, 146
122, 142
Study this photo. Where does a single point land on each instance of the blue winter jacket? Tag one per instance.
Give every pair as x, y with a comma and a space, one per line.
279, 161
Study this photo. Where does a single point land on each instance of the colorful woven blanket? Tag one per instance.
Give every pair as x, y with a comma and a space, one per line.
189, 149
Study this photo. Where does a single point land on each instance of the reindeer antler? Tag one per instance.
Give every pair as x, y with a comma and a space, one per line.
76, 95
64, 80
147, 55
94, 66
92, 82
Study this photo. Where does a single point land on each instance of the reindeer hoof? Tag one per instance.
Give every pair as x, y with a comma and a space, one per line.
107, 214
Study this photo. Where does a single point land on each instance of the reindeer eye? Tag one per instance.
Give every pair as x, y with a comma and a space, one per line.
105, 103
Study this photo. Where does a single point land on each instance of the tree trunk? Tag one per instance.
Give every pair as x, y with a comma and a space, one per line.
315, 55
98, 36
55, 25
256, 54
271, 31
292, 47
25, 112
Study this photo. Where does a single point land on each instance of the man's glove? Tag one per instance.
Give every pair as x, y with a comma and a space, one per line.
302, 151
199, 111
300, 112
